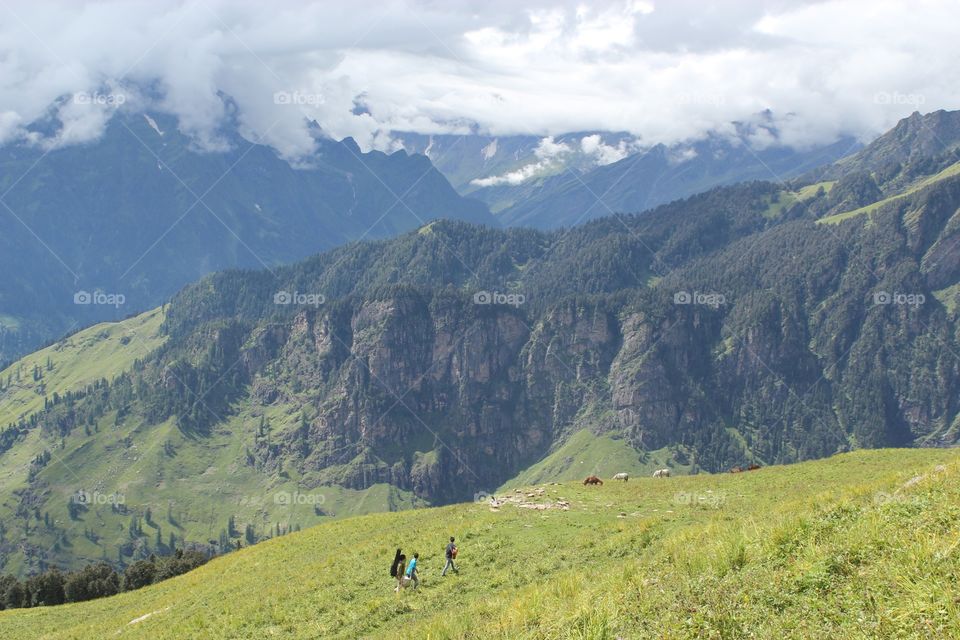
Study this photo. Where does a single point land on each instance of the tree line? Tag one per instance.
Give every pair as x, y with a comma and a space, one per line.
53, 586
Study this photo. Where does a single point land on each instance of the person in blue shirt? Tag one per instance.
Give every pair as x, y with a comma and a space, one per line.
411, 571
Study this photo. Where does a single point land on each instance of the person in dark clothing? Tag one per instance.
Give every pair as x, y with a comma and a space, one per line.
396, 561
451, 556
401, 560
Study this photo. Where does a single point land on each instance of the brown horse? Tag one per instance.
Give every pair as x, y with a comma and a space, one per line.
593, 480
753, 467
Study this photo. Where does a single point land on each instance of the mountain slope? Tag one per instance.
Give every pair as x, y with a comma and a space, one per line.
728, 328
101, 351
858, 545
141, 212
705, 334
915, 139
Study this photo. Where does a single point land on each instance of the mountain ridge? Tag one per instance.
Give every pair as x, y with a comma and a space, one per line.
168, 214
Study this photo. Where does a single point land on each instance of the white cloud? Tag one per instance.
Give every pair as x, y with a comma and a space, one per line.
681, 154
550, 154
665, 72
519, 176
593, 145
549, 148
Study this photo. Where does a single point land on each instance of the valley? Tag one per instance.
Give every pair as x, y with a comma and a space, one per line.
612, 320
395, 388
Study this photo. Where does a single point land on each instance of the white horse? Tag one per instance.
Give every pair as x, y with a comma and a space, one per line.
661, 473
622, 476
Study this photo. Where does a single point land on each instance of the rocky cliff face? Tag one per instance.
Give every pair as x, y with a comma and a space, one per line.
437, 395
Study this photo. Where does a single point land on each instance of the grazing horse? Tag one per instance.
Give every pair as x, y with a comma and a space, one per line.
622, 476
593, 480
753, 467
661, 473
736, 470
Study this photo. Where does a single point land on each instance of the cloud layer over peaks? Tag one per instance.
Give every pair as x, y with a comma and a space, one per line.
665, 72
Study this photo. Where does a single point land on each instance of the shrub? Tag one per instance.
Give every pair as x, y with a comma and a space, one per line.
45, 589
139, 574
93, 581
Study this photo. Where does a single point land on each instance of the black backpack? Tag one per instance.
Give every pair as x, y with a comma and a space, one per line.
394, 568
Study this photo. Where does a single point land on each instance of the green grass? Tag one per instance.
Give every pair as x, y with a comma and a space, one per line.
585, 454
192, 485
863, 545
948, 296
101, 351
950, 171
786, 199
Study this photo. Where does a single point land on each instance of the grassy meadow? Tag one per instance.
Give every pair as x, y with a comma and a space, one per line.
862, 545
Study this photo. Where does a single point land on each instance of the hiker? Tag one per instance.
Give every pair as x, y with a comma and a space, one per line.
411, 573
451, 554
397, 570
397, 565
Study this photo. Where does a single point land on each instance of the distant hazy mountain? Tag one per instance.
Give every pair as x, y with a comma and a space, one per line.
660, 175
504, 170
123, 216
571, 178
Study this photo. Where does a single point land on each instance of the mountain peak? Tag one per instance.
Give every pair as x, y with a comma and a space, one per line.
915, 137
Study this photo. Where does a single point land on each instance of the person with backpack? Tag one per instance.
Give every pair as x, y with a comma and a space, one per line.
411, 573
451, 554
396, 569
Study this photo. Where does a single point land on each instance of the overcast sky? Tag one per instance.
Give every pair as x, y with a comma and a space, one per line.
663, 71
